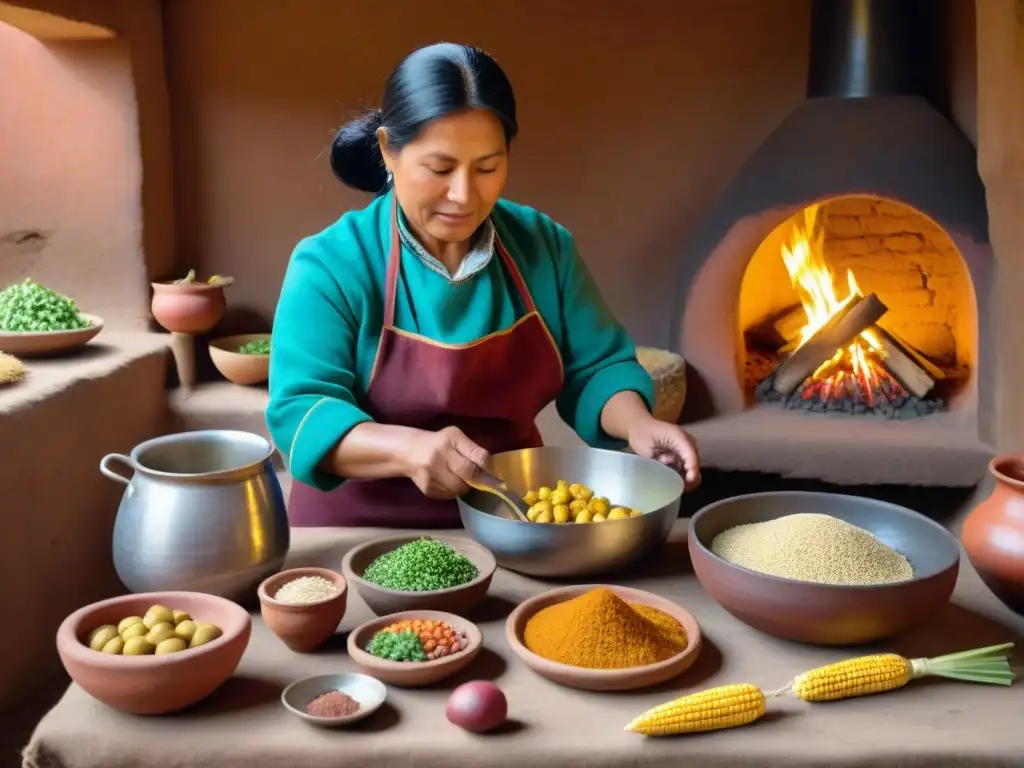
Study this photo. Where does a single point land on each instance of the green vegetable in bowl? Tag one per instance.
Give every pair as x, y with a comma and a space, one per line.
261, 347
397, 646
30, 307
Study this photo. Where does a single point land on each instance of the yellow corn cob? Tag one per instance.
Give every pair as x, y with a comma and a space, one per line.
853, 677
728, 706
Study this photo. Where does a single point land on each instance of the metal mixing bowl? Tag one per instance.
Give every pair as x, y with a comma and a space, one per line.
827, 614
550, 550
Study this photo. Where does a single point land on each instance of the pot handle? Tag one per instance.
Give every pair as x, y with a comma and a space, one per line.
106, 470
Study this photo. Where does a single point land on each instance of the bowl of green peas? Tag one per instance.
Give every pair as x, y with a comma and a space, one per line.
243, 359
36, 321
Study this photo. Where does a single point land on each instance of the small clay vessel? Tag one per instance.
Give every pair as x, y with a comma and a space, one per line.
993, 534
188, 307
303, 627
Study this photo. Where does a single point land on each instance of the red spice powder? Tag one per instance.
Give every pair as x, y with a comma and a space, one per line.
333, 704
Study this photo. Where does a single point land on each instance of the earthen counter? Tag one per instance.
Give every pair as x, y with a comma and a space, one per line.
930, 723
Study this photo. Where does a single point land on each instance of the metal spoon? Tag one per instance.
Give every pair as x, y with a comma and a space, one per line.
485, 481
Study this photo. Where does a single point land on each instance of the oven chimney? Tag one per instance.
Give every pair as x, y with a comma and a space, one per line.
865, 48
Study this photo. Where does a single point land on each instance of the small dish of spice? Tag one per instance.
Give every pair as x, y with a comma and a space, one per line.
414, 648
331, 701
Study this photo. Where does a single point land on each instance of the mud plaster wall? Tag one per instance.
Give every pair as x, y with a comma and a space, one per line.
70, 171
125, 188
633, 120
1000, 25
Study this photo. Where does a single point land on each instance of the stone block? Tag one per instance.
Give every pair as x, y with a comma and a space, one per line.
851, 206
843, 226
907, 243
852, 245
890, 225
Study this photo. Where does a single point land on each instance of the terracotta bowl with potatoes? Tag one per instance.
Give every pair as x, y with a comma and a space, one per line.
156, 652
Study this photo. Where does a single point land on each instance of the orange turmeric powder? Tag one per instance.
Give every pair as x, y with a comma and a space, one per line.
600, 630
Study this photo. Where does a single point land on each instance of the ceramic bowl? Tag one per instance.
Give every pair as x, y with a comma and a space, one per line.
382, 601
827, 614
154, 685
368, 691
413, 674
603, 679
303, 627
42, 343
238, 367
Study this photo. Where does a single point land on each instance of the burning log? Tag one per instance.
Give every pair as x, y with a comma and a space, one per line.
906, 365
912, 370
839, 332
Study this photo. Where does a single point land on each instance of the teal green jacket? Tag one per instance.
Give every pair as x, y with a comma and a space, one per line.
331, 311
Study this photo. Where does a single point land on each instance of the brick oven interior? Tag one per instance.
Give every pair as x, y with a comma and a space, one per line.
906, 260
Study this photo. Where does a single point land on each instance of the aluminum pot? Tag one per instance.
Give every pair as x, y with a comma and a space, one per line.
556, 551
202, 512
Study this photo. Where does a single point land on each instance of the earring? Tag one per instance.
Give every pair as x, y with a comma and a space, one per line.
390, 178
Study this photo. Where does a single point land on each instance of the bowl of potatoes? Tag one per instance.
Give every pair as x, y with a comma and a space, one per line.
591, 511
156, 652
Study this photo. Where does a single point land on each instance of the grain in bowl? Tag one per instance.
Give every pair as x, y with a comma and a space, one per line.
813, 547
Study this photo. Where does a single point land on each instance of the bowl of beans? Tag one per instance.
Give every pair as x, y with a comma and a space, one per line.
414, 648
406, 573
823, 568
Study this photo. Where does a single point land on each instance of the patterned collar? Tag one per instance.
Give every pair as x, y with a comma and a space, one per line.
481, 249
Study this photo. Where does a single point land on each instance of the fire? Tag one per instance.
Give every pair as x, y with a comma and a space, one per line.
854, 367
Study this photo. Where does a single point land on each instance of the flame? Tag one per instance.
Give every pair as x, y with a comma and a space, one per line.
814, 283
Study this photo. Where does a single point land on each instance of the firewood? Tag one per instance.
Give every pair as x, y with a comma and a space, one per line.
908, 367
839, 332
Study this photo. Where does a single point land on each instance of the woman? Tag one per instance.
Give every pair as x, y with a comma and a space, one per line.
419, 335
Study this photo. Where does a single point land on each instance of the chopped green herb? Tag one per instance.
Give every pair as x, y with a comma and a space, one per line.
30, 307
421, 566
261, 347
397, 646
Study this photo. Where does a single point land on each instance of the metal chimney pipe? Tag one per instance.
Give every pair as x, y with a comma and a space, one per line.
864, 48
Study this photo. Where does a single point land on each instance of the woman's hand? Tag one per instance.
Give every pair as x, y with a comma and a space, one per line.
668, 443
626, 417
441, 462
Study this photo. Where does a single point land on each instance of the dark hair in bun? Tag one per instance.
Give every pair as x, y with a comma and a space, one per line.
430, 83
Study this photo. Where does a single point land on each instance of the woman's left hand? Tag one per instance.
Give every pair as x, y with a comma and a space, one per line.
668, 443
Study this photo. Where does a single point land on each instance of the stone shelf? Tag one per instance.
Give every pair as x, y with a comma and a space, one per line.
937, 451
55, 426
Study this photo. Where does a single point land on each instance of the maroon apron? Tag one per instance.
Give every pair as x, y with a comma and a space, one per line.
492, 389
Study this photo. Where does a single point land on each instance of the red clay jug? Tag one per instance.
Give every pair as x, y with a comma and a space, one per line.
993, 534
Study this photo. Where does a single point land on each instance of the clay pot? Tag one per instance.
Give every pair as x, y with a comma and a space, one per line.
303, 627
993, 534
188, 307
